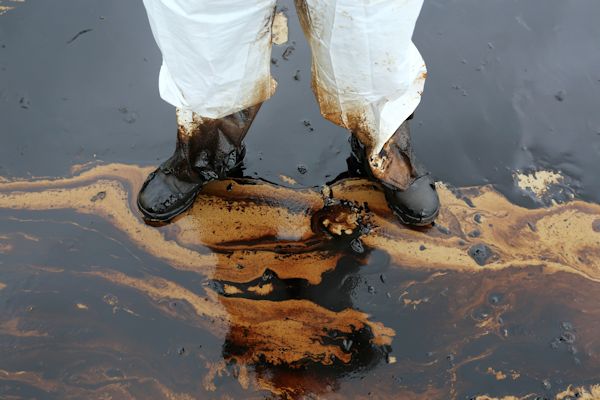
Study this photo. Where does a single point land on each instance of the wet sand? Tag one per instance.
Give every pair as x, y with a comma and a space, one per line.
285, 286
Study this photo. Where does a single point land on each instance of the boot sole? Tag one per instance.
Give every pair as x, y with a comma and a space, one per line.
408, 220
168, 216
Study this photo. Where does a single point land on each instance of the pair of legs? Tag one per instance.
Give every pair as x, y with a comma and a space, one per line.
367, 77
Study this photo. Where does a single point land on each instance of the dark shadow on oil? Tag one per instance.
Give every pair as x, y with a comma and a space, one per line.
335, 293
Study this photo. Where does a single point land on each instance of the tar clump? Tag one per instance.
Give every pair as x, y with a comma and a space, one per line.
357, 246
596, 225
480, 253
98, 196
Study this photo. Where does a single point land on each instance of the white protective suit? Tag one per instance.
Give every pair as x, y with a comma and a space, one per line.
367, 74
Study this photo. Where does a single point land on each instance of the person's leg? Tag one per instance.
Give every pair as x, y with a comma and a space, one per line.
216, 71
368, 77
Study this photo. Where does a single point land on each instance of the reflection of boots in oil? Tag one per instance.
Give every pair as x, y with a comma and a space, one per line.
409, 189
207, 149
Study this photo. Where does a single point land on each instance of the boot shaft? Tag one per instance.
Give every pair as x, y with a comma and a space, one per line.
208, 148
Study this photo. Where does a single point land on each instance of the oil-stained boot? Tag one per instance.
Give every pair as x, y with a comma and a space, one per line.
408, 187
207, 149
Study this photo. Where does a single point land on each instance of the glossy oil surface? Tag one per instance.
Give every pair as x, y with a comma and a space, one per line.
252, 294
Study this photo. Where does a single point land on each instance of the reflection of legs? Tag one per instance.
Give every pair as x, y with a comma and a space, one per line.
368, 77
216, 71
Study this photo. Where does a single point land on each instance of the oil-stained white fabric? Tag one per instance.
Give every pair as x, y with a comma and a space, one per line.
368, 73
216, 53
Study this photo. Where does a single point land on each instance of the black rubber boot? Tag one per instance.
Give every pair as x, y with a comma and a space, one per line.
207, 149
408, 187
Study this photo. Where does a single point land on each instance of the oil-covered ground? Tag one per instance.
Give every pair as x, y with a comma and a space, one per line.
297, 281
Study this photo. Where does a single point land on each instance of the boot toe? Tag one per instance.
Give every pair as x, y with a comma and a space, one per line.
418, 205
163, 196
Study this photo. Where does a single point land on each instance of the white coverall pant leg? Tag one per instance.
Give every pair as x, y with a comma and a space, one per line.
367, 74
216, 53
